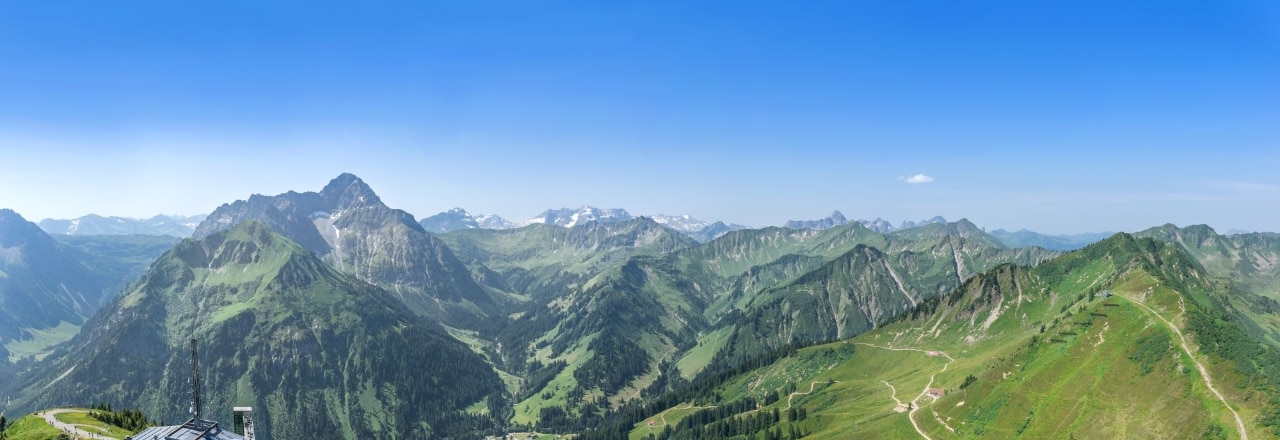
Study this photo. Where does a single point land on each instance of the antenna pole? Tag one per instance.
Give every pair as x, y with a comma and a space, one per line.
195, 382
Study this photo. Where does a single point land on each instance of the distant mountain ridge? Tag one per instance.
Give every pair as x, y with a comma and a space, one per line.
41, 283
716, 230
451, 220
50, 284
879, 225
459, 219
683, 223
93, 224
567, 217
1023, 237
831, 221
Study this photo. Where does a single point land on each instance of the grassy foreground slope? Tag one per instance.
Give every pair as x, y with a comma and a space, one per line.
35, 426
1125, 338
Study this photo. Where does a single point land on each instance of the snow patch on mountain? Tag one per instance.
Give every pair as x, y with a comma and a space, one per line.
572, 217
684, 223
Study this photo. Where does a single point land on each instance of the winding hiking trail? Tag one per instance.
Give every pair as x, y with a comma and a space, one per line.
51, 418
1204, 373
797, 393
894, 394
911, 415
663, 415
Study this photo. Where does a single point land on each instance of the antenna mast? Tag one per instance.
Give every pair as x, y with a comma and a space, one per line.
195, 382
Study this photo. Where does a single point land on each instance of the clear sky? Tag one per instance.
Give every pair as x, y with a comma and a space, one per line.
1057, 116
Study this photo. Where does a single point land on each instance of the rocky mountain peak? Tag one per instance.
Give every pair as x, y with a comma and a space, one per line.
348, 191
9, 215
835, 219
451, 220
908, 224
567, 217
15, 230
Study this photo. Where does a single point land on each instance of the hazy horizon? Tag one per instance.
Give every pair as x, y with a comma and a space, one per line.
895, 222
1057, 118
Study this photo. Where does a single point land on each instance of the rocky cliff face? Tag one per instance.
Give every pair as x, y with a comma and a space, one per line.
349, 227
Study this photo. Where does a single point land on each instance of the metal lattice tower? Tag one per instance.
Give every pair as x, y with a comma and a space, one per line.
195, 382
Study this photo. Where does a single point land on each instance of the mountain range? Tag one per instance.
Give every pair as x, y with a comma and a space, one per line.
458, 218
341, 317
1024, 237
878, 225
48, 286
171, 225
1091, 344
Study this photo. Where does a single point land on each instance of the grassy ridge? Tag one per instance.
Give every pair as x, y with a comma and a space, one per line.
1037, 352
702, 307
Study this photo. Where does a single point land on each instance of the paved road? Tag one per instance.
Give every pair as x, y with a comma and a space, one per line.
52, 420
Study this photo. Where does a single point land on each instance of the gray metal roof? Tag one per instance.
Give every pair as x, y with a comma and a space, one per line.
191, 430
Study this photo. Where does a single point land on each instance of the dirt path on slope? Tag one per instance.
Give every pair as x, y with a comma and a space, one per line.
811, 385
51, 418
1204, 373
663, 415
894, 394
911, 415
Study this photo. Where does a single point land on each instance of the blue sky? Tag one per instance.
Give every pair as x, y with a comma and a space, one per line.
1058, 116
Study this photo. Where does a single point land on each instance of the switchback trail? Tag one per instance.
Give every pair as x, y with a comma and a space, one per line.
914, 405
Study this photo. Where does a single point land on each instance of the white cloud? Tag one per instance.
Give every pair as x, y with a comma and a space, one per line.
918, 178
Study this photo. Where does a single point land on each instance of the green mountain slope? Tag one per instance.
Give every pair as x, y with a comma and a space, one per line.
40, 284
1251, 259
738, 251
120, 259
319, 353
49, 286
541, 261
1126, 338
1249, 262
347, 225
861, 290
650, 324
